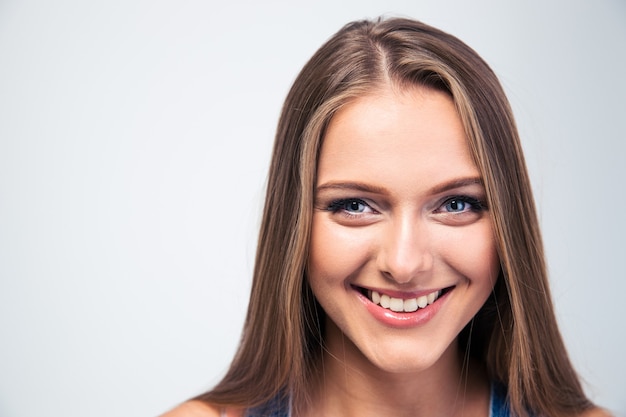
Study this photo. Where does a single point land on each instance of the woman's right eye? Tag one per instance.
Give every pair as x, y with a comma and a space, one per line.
351, 206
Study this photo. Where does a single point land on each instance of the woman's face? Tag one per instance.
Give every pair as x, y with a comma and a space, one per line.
402, 250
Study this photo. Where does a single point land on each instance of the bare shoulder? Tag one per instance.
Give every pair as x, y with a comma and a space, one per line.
193, 409
596, 412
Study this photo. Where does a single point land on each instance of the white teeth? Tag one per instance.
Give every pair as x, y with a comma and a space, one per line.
410, 305
384, 301
396, 304
422, 301
407, 305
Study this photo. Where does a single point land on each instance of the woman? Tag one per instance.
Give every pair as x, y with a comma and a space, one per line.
400, 268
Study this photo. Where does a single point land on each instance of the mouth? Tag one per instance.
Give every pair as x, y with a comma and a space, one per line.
403, 305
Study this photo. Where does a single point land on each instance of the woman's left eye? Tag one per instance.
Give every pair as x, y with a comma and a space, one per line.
462, 204
456, 205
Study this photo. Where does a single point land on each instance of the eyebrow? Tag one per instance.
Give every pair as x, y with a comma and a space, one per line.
456, 183
369, 188
356, 186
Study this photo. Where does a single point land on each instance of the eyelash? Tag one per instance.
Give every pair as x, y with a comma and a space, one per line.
475, 204
340, 205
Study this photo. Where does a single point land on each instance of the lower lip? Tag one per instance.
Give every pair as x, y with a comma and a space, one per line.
403, 320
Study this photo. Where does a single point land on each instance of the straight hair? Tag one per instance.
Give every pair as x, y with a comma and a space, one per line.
515, 334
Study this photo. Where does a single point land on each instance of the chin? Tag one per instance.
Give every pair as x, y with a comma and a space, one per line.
392, 354
412, 360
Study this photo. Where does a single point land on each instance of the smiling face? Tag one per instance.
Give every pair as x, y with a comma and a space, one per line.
402, 250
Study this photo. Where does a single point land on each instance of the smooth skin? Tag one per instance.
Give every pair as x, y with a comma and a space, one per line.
399, 209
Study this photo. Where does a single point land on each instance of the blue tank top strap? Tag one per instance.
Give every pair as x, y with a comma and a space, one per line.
278, 407
499, 405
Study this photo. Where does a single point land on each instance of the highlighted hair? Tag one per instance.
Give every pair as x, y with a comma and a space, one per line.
515, 334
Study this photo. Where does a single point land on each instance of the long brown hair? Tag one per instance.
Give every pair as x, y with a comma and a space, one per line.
515, 334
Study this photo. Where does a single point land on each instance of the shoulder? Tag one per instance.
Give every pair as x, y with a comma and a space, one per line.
198, 409
193, 409
596, 412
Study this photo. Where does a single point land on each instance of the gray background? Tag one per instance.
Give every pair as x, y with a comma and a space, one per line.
134, 142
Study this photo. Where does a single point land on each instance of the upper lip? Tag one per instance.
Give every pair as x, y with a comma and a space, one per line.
399, 294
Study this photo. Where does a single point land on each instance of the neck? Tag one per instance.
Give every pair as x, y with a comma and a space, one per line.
348, 384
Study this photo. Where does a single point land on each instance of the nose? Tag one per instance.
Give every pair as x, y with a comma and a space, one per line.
405, 252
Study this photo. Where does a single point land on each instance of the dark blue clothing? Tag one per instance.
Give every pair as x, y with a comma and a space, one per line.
499, 406
279, 407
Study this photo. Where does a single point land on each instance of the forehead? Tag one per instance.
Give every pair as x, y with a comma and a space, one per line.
414, 132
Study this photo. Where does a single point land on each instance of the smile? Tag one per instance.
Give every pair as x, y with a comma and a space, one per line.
399, 305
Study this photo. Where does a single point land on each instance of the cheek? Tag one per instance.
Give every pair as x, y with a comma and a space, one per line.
474, 255
486, 256
336, 252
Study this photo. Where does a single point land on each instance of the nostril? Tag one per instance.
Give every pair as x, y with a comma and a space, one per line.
403, 267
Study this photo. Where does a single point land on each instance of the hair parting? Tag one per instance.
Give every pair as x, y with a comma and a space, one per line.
514, 335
